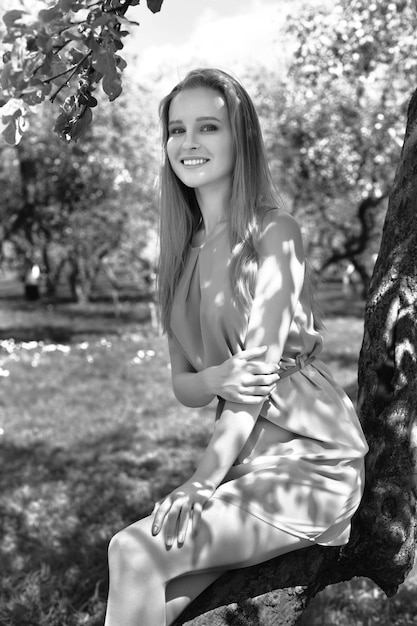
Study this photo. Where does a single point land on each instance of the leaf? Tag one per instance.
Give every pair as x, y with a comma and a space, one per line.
154, 5
75, 56
44, 42
112, 86
13, 16
14, 127
80, 126
62, 125
49, 15
36, 92
101, 20
87, 99
70, 5
121, 63
103, 61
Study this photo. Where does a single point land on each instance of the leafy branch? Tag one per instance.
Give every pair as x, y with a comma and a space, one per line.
73, 45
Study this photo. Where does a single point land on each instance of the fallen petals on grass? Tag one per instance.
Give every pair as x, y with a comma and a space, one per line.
143, 355
105, 343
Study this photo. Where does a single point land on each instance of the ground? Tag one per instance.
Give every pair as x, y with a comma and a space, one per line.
91, 436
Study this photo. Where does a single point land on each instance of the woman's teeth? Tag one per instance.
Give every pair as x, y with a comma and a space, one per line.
194, 161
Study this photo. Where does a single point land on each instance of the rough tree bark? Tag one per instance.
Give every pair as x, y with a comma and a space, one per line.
384, 529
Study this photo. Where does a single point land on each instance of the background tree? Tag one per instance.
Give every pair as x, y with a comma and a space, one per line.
341, 123
83, 207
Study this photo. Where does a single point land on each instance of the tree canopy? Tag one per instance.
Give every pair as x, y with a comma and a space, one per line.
78, 208
343, 122
67, 48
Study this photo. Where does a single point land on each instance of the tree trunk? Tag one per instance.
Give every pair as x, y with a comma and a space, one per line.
383, 535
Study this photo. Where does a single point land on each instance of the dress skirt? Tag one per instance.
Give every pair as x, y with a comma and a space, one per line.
307, 483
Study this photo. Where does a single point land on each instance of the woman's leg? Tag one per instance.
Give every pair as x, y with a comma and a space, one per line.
142, 568
183, 590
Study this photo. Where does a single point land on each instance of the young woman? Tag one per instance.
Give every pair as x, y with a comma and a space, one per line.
284, 466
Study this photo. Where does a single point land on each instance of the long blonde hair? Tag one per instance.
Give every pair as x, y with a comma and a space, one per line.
252, 190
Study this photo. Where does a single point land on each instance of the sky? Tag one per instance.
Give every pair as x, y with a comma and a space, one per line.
230, 34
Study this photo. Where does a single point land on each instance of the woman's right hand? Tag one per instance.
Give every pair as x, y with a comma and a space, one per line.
242, 378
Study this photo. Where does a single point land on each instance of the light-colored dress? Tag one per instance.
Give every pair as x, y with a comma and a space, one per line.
302, 468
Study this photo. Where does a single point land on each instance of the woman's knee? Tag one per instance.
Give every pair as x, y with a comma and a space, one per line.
126, 551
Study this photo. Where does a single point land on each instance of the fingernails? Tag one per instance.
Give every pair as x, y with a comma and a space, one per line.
155, 529
181, 539
169, 541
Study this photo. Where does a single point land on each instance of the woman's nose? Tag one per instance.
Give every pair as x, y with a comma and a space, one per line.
190, 141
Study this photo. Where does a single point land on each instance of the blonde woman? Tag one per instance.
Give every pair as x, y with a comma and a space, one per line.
284, 466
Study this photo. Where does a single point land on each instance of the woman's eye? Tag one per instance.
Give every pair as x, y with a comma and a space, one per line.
176, 131
209, 128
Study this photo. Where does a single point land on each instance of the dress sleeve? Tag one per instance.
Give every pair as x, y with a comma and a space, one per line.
279, 282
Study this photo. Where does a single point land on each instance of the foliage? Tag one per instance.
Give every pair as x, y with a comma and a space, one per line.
343, 119
69, 41
82, 207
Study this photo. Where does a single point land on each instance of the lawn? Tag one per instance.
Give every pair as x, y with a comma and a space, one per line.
91, 436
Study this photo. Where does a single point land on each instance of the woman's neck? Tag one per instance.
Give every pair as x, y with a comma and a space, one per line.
214, 205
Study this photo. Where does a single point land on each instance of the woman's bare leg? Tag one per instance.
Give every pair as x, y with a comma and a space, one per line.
141, 567
183, 590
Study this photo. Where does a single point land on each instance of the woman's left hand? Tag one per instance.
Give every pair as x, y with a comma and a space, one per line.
176, 510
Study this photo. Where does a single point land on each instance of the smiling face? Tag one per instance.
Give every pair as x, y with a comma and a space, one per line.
200, 143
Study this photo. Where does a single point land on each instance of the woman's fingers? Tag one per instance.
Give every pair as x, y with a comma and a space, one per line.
160, 511
172, 521
252, 353
258, 392
183, 522
197, 513
260, 380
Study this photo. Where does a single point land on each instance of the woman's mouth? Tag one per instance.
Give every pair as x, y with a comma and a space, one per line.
193, 162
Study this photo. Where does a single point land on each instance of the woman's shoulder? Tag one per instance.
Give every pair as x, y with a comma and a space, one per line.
276, 225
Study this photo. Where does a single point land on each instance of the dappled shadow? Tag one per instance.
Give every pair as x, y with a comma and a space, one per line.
63, 334
239, 591
68, 322
60, 506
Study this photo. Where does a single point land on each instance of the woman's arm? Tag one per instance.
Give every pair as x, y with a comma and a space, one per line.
239, 379
279, 282
188, 385
278, 286
185, 504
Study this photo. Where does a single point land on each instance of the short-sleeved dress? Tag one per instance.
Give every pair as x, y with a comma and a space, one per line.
302, 468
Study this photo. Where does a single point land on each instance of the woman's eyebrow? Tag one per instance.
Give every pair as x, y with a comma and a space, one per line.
207, 117
199, 119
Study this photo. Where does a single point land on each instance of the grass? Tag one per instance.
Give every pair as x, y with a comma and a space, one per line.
91, 436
